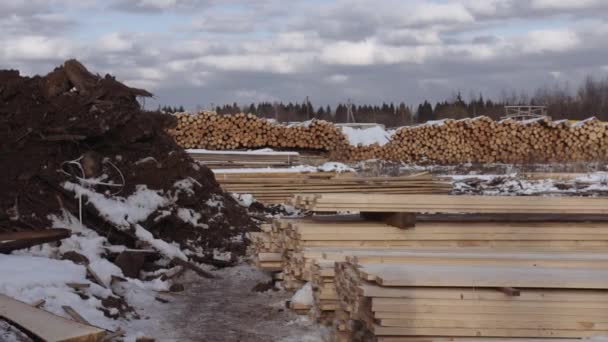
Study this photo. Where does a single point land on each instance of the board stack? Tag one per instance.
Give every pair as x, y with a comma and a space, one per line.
265, 254
455, 294
451, 204
276, 187
244, 159
454, 276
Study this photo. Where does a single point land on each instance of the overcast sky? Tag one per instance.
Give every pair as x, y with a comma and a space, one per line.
216, 51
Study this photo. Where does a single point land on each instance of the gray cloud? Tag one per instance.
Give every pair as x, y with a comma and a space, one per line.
368, 51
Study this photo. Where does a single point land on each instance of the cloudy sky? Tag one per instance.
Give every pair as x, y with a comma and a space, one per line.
216, 51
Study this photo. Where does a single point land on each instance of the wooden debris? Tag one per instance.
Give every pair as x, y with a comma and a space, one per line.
78, 286
19, 240
74, 314
193, 267
39, 303
96, 277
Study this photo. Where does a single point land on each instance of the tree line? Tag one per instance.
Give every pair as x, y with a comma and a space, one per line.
590, 99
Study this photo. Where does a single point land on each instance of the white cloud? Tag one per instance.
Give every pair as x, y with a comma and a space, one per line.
337, 78
31, 48
550, 40
282, 63
566, 4
436, 13
370, 52
115, 42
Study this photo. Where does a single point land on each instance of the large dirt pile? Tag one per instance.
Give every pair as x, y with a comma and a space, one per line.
75, 132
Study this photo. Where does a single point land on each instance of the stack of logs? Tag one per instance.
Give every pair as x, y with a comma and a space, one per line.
208, 130
479, 139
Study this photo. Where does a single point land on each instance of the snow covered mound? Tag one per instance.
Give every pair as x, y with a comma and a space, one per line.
367, 136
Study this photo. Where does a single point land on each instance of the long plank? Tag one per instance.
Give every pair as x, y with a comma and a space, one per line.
464, 293
486, 276
379, 330
458, 322
457, 204
470, 339
45, 325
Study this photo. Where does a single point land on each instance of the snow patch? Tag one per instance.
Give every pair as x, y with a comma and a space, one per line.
245, 200
123, 211
304, 295
335, 167
366, 136
170, 250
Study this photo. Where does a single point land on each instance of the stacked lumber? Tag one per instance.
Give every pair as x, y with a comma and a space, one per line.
244, 159
209, 130
265, 254
281, 187
452, 204
311, 247
478, 139
403, 300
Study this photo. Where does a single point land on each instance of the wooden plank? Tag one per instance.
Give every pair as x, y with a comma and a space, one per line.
487, 276
45, 325
482, 294
378, 330
456, 322
470, 339
458, 204
397, 304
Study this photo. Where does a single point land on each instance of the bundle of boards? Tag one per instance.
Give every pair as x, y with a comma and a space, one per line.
453, 277
278, 187
244, 159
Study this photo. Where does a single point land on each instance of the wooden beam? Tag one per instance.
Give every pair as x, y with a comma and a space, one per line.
19, 240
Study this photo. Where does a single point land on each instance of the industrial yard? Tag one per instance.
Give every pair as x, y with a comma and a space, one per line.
125, 225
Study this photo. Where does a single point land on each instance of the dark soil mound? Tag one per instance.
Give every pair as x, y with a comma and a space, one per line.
71, 114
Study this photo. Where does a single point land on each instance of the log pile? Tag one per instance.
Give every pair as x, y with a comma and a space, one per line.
272, 188
479, 139
208, 130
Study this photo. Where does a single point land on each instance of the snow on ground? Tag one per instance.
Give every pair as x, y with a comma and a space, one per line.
226, 309
9, 333
304, 295
595, 183
367, 136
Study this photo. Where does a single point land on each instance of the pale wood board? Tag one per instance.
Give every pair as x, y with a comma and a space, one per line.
45, 325
486, 276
